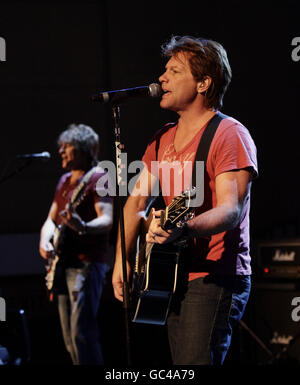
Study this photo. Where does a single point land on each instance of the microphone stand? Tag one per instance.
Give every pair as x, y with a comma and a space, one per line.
119, 147
16, 171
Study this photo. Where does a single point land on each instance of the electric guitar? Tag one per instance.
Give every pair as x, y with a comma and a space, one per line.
155, 271
64, 239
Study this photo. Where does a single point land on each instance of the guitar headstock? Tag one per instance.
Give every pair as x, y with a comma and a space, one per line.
179, 210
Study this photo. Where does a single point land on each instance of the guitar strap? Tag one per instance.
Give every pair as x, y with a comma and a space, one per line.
84, 181
205, 141
202, 151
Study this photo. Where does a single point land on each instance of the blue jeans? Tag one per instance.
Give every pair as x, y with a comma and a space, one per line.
202, 315
78, 312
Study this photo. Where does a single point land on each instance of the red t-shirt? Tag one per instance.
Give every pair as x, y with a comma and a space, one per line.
89, 247
232, 148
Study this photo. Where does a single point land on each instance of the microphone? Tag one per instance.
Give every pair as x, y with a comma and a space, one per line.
114, 97
42, 155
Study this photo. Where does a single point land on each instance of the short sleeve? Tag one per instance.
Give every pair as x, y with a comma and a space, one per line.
233, 149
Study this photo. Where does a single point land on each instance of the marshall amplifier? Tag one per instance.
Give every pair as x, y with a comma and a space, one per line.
279, 259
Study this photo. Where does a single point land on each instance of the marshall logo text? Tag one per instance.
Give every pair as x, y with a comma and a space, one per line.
280, 256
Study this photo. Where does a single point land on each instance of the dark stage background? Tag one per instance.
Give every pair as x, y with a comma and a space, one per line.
57, 55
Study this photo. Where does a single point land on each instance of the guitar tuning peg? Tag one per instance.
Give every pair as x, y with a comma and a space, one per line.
189, 216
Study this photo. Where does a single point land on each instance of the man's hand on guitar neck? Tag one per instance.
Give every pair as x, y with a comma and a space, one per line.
156, 234
46, 250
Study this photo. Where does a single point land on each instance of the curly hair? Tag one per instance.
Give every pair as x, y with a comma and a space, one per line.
206, 58
83, 138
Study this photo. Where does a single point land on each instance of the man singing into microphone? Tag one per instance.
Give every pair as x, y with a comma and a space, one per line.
80, 221
213, 285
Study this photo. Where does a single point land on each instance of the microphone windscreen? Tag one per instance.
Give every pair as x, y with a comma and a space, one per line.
155, 90
46, 154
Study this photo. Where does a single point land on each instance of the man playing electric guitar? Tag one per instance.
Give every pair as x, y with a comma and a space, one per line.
83, 242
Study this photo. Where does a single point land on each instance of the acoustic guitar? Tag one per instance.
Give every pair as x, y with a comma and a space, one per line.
155, 271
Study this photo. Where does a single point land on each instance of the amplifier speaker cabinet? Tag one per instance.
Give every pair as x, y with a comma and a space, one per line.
275, 313
279, 259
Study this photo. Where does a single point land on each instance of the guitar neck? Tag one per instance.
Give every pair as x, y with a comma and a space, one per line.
162, 219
